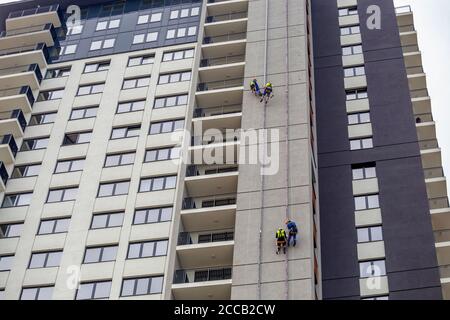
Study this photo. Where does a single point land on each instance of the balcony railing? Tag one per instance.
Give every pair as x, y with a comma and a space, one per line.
195, 171
210, 62
223, 84
226, 17
202, 275
26, 90
17, 70
15, 114
225, 37
227, 136
209, 202
37, 47
187, 238
3, 173
403, 9
9, 140
217, 111
15, 32
29, 12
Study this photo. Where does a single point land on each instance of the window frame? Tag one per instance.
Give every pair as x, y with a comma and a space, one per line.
63, 194
113, 193
148, 212
55, 224
26, 166
47, 254
127, 130
151, 180
101, 64
141, 245
100, 256
107, 222
71, 161
135, 285
120, 155
161, 123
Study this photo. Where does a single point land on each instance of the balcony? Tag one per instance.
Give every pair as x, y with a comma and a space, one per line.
416, 81
218, 7
212, 77
19, 56
202, 284
4, 177
421, 105
408, 38
229, 23
413, 59
436, 188
27, 75
438, 203
8, 149
404, 15
217, 111
227, 37
220, 61
426, 131
224, 92
420, 93
14, 98
34, 17
189, 238
440, 219
431, 158
12, 122
218, 117
202, 180
432, 173
28, 36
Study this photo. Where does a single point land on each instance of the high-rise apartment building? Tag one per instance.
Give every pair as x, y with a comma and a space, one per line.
133, 153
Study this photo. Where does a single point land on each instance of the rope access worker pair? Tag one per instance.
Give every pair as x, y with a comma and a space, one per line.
266, 94
280, 235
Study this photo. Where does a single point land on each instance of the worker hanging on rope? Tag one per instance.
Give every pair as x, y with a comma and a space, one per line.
292, 227
254, 86
281, 240
267, 92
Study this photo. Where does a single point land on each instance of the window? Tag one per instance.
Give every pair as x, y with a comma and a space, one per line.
372, 269
171, 101
59, 195
34, 144
113, 189
102, 44
147, 249
130, 106
123, 159
6, 262
181, 32
183, 13
94, 290
76, 138
38, 293
157, 183
17, 200
125, 132
107, 220
152, 215
155, 17
350, 30
45, 259
111, 24
83, 113
13, 230
141, 286
30, 170
96, 67
43, 118
371, 234
354, 71
364, 172
57, 73
69, 49
73, 165
346, 51
178, 55
149, 37
192, 31
76, 29
359, 118
367, 202
141, 60
174, 77
162, 154
356, 94
50, 95
359, 144
54, 226
136, 83
348, 11
166, 126
100, 254
90, 89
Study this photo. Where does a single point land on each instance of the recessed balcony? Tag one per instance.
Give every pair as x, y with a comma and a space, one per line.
226, 24
12, 122
419, 93
440, 219
34, 17
28, 36
218, 7
223, 92
218, 117
438, 203
413, 59
202, 180
8, 149
426, 131
421, 105
202, 284
408, 38
19, 56
436, 188
4, 177
15, 98
431, 158
27, 75
217, 213
416, 81
404, 15
233, 71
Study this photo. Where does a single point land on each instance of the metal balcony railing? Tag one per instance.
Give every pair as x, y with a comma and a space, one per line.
209, 202
223, 84
194, 170
210, 62
15, 32
225, 37
403, 9
3, 173
9, 140
187, 238
202, 275
29, 12
217, 111
227, 136
15, 114
37, 47
226, 17
21, 69
26, 90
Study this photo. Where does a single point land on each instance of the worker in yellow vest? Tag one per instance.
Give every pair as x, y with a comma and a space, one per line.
280, 235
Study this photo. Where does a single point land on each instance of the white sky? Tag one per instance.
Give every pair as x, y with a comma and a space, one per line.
432, 21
